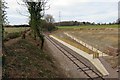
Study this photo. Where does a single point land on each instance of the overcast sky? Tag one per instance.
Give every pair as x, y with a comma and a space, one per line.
74, 10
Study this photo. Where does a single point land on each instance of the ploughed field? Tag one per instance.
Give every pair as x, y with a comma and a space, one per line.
103, 39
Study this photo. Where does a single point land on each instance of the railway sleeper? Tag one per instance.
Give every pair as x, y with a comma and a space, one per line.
91, 74
97, 73
74, 59
81, 67
86, 72
86, 69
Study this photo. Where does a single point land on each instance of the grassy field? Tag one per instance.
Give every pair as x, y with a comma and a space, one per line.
105, 40
13, 32
100, 39
88, 26
15, 29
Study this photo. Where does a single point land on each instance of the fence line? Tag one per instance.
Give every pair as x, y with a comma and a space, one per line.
86, 45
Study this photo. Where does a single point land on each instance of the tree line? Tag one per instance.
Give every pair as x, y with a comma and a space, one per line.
76, 23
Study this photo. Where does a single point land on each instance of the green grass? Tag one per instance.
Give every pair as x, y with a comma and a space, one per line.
88, 26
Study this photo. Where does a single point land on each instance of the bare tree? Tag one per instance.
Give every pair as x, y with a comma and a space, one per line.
36, 11
49, 18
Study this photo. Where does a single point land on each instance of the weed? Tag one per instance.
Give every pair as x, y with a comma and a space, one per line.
26, 60
12, 36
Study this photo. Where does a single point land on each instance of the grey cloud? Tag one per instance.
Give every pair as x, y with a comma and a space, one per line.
82, 11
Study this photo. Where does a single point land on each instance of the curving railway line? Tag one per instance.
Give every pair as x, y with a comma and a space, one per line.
87, 70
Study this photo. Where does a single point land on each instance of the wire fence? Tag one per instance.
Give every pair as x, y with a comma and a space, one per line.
100, 53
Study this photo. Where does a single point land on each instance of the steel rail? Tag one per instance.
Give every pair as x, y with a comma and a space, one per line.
73, 56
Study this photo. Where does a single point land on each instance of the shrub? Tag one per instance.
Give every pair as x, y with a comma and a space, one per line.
48, 26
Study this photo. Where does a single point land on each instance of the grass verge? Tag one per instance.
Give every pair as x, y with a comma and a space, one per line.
88, 26
25, 60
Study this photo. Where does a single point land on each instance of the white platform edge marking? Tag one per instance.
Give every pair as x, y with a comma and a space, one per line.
96, 62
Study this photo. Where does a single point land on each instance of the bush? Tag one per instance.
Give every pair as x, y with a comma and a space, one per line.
48, 26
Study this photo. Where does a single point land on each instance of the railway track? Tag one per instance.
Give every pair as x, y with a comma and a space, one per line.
88, 71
